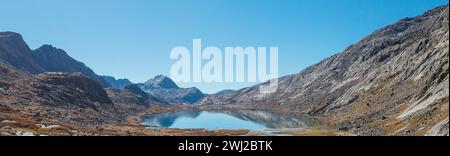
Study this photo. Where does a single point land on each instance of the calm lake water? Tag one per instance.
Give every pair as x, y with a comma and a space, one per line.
230, 119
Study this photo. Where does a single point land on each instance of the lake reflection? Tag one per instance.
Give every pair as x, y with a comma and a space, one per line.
229, 119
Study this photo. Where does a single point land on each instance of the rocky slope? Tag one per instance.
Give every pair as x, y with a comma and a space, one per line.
8, 74
392, 82
16, 53
59, 97
164, 89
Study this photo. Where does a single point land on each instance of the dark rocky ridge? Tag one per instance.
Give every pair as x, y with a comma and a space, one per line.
394, 81
16, 53
117, 83
57, 60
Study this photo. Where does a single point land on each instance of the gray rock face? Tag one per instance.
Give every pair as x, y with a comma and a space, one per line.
16, 53
164, 89
118, 84
394, 81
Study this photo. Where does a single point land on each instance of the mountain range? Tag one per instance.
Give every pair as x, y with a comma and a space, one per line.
395, 81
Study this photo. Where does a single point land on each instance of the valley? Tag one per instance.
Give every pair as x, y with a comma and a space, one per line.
395, 81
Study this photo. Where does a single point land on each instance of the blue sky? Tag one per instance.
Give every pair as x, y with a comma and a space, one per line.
133, 39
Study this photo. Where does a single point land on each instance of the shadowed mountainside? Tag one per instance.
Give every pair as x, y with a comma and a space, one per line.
117, 83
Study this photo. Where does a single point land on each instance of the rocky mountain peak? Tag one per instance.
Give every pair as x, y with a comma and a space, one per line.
47, 51
49, 48
160, 81
9, 34
165, 90
16, 53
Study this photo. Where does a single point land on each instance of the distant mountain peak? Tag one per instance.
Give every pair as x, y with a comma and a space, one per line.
117, 83
48, 49
160, 81
164, 89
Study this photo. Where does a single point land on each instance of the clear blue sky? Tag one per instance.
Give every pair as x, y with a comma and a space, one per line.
132, 39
